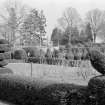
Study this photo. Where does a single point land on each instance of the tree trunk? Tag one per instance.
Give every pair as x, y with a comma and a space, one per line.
94, 37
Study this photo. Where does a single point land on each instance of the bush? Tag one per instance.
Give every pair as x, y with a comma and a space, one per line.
2, 56
20, 90
69, 55
20, 54
49, 56
32, 51
34, 54
75, 52
3, 63
4, 45
55, 53
4, 70
7, 55
65, 94
96, 87
33, 59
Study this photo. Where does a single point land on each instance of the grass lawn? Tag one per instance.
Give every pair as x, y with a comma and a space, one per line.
61, 74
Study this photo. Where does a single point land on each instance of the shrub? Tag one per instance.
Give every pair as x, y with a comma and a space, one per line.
75, 52
3, 63
2, 56
96, 87
4, 45
7, 55
65, 94
4, 70
34, 54
33, 59
21, 90
49, 56
55, 53
20, 54
69, 55
32, 51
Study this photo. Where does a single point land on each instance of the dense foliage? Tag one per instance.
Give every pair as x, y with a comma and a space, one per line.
20, 54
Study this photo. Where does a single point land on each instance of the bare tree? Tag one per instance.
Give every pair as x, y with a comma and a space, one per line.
13, 16
96, 18
70, 19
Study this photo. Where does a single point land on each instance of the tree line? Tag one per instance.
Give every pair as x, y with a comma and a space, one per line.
72, 27
22, 22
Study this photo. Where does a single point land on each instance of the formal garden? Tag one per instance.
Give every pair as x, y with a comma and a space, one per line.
51, 77
65, 67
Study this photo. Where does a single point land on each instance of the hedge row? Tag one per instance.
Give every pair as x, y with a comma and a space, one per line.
20, 90
30, 91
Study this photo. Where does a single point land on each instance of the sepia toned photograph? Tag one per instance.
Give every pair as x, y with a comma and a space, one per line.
52, 52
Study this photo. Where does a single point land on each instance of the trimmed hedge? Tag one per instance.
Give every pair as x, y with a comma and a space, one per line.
65, 94
32, 51
34, 54
33, 59
3, 63
7, 55
20, 90
20, 54
2, 56
96, 87
4, 45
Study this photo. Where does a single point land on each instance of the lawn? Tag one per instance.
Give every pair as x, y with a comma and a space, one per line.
78, 75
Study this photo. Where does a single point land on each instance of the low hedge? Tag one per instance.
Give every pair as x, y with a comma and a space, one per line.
21, 90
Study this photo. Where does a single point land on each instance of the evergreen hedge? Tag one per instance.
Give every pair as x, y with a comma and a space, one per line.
20, 54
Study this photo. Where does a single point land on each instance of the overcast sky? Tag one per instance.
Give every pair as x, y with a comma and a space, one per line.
53, 9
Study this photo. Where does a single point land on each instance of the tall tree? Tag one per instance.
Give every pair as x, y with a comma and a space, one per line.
13, 18
88, 32
69, 20
33, 28
56, 36
66, 35
96, 19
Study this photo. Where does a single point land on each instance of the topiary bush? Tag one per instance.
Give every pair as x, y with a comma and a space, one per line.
65, 94
49, 56
32, 51
5, 46
7, 55
55, 53
33, 59
20, 54
34, 54
69, 55
96, 88
4, 70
